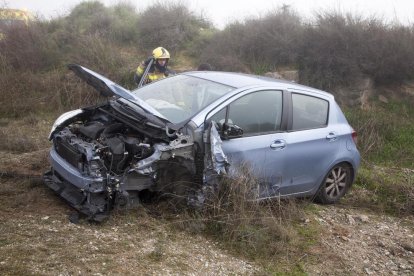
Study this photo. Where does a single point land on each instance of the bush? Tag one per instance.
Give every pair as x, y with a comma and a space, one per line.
124, 28
49, 93
339, 49
169, 25
97, 54
90, 17
387, 55
331, 50
29, 48
260, 44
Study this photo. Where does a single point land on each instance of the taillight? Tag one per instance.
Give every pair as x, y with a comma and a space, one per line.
354, 136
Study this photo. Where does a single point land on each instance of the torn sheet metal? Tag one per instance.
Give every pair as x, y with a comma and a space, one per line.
182, 146
218, 157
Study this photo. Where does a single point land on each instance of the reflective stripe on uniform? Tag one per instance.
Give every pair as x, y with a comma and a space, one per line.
152, 76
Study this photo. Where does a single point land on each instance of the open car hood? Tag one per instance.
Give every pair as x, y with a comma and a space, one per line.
108, 88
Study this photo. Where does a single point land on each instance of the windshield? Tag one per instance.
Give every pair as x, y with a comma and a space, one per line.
180, 97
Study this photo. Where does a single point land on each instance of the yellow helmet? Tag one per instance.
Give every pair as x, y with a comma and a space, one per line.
160, 52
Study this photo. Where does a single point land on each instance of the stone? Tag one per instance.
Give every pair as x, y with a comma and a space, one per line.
291, 75
383, 99
350, 219
408, 246
363, 218
274, 75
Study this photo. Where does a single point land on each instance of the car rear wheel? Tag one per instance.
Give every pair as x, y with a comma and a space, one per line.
335, 184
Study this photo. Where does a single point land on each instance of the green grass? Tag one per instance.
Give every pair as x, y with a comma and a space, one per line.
385, 133
385, 179
384, 189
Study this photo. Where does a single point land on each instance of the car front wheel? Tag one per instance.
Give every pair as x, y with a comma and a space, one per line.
336, 183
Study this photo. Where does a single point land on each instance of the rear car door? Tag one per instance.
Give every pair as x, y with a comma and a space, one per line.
311, 143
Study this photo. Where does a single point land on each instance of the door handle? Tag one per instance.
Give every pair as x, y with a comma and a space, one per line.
278, 145
331, 136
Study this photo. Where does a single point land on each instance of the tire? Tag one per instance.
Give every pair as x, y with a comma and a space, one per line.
335, 184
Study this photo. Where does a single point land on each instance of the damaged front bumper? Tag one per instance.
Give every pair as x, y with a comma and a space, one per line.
95, 195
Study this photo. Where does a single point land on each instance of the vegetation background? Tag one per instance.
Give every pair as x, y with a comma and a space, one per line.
335, 52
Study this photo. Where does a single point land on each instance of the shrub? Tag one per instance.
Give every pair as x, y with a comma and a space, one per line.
99, 55
331, 50
52, 93
124, 28
29, 48
341, 48
168, 25
90, 17
261, 44
387, 55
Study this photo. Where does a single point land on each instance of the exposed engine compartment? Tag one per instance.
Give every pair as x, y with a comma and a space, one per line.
99, 159
101, 146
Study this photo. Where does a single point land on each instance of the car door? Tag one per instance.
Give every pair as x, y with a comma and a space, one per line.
259, 115
311, 143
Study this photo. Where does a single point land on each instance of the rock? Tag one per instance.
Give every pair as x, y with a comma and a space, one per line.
381, 243
408, 246
368, 271
383, 99
274, 75
363, 218
291, 75
305, 220
359, 93
350, 219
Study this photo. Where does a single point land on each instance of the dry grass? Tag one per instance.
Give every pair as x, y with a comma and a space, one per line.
37, 238
266, 232
24, 135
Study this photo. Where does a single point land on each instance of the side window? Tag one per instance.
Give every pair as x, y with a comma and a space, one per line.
257, 113
219, 118
309, 112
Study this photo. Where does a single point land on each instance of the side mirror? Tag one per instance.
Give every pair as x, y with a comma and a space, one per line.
230, 131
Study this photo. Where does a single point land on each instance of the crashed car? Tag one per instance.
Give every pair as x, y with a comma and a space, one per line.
182, 133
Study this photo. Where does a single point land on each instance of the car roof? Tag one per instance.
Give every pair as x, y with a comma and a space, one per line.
240, 80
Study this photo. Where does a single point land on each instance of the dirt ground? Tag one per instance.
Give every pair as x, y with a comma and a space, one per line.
36, 237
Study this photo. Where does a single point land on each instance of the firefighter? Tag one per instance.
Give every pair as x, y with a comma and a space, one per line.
158, 69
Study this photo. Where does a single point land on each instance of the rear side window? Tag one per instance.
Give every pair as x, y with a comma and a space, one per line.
309, 112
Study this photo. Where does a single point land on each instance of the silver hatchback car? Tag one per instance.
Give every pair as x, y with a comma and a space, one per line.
178, 134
